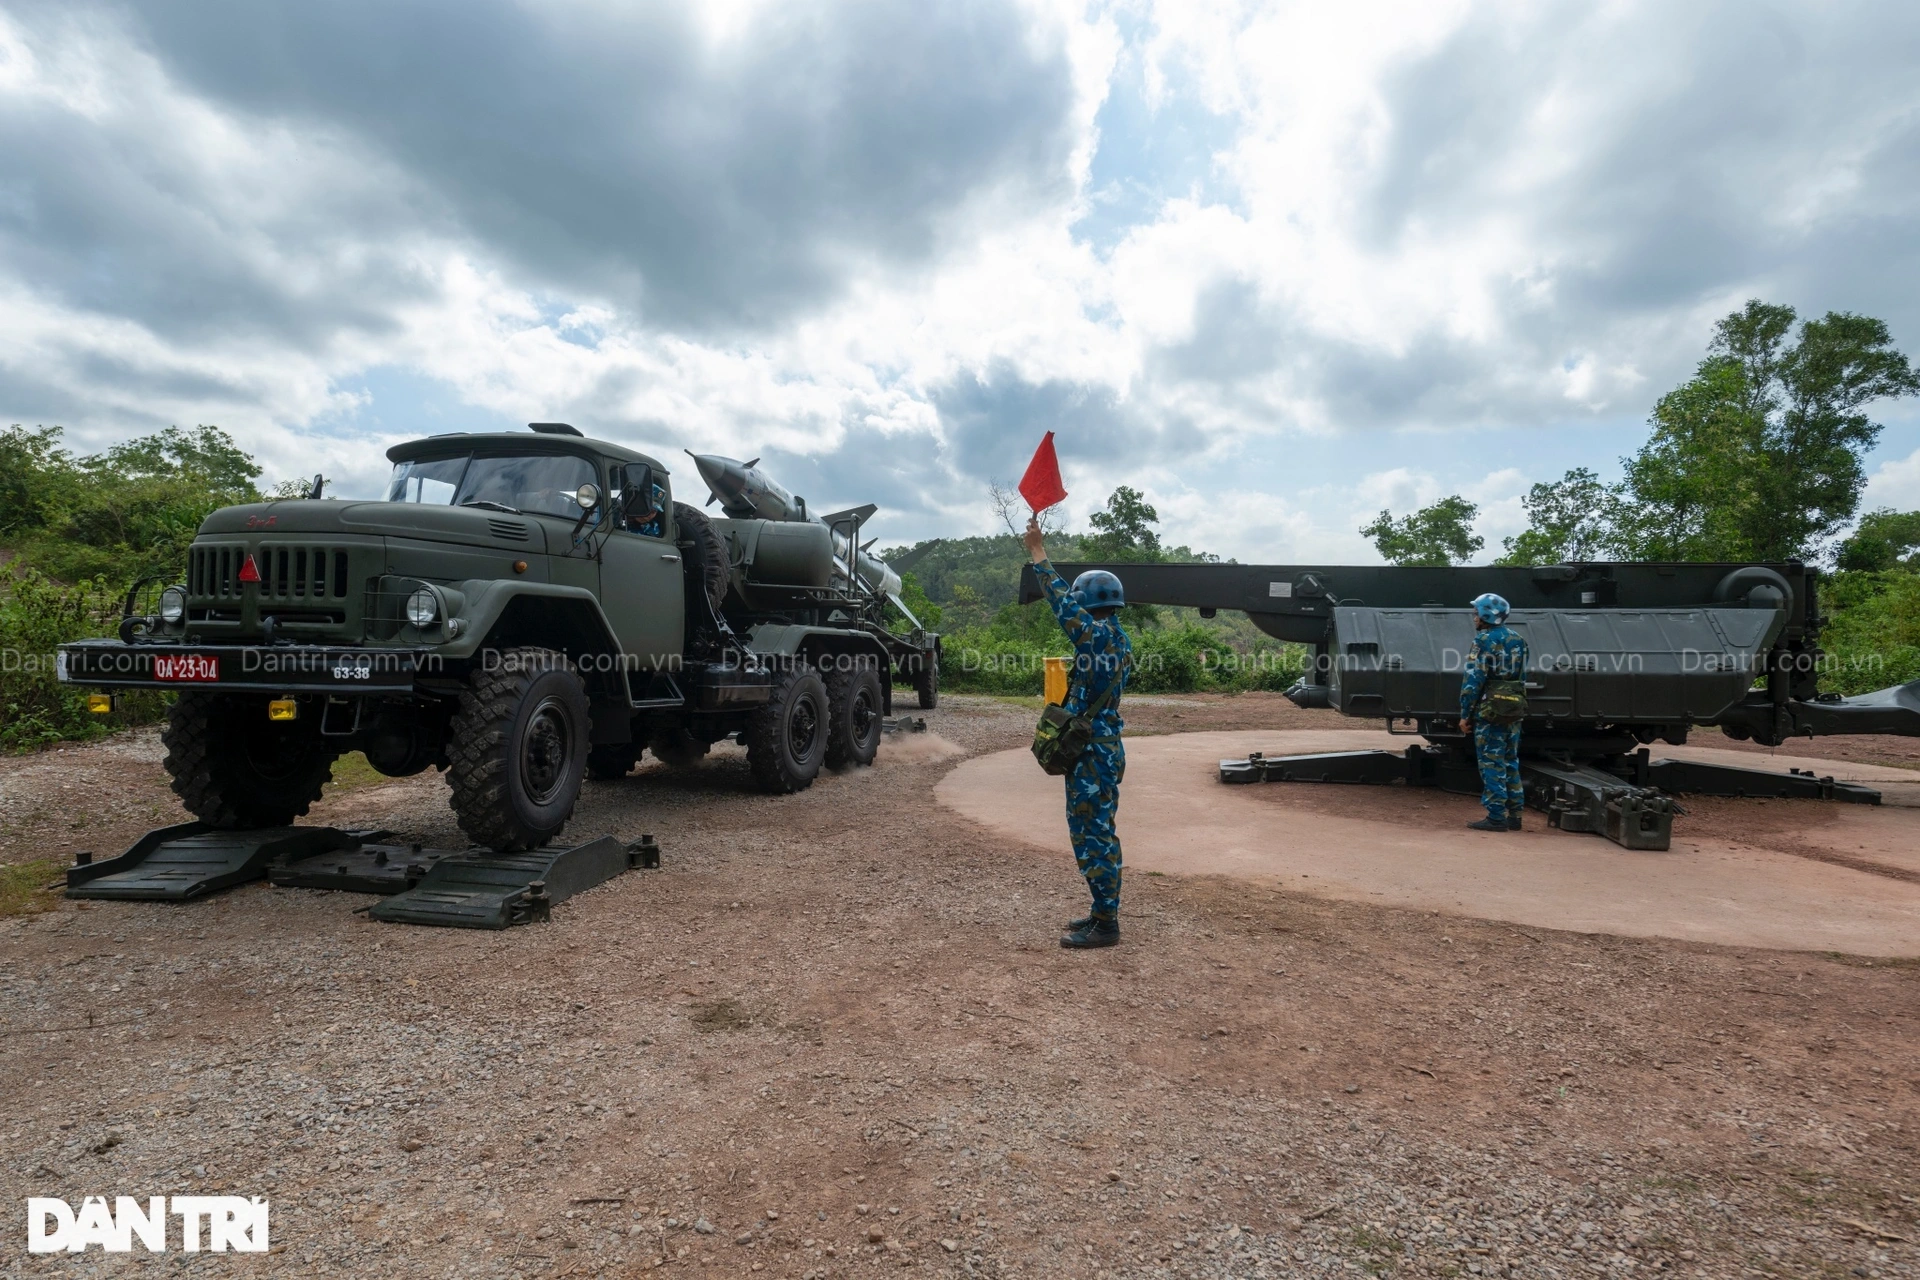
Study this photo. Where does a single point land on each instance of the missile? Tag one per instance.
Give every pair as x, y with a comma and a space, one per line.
745, 492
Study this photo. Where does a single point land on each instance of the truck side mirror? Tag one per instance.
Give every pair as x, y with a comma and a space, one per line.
636, 492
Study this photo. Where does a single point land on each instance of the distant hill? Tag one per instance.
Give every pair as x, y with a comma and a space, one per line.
988, 567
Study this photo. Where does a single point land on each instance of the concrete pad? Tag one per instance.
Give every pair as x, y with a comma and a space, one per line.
1717, 884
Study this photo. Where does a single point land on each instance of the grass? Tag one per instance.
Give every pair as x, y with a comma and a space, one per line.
23, 887
352, 771
1377, 1243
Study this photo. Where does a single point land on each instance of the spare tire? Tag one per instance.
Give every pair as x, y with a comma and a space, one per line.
705, 551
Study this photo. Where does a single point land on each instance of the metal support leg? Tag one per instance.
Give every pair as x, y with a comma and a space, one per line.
1691, 777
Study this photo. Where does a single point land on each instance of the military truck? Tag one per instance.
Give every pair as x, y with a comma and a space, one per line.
521, 611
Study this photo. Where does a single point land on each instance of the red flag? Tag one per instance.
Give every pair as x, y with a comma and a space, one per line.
1041, 485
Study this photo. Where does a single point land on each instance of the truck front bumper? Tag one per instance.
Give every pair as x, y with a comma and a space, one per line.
114, 664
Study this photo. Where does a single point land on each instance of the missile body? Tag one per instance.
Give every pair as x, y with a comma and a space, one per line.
745, 492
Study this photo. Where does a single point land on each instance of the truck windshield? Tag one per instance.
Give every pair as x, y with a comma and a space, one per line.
543, 484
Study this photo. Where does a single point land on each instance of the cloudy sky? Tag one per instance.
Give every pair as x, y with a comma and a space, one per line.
1277, 265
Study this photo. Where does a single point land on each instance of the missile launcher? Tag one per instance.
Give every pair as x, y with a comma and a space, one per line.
833, 560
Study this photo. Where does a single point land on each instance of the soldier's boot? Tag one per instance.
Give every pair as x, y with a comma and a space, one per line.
1513, 819
1097, 933
1490, 824
1074, 926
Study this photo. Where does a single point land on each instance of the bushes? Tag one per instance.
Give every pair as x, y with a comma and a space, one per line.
1872, 633
1008, 655
126, 512
97, 522
36, 616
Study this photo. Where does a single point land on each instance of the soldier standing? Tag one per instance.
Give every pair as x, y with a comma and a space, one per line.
1102, 660
1499, 658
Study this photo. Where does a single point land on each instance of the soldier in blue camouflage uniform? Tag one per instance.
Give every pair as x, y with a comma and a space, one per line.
1498, 654
1102, 660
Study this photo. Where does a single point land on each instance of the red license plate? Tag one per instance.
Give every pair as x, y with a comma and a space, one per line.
185, 667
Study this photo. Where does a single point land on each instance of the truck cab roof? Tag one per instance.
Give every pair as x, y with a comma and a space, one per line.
517, 442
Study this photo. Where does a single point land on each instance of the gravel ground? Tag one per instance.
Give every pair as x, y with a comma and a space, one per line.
833, 1035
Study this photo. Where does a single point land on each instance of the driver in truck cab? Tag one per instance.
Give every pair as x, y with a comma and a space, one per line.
648, 516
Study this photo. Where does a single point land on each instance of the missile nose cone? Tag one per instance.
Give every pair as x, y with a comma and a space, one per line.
744, 492
725, 478
720, 473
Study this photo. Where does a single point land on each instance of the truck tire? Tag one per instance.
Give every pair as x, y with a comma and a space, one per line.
787, 738
706, 552
856, 707
678, 748
519, 750
234, 768
612, 761
926, 680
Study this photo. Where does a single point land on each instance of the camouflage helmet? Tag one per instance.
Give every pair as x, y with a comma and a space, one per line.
1492, 609
1098, 589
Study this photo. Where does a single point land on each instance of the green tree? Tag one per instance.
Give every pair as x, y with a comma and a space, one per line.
1886, 539
1687, 490
206, 456
1124, 531
916, 599
1441, 534
1568, 520
1758, 456
120, 514
35, 474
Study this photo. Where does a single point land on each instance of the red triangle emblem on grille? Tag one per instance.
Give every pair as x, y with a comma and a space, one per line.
249, 571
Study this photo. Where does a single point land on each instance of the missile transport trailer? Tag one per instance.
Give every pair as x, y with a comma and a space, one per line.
520, 611
1623, 656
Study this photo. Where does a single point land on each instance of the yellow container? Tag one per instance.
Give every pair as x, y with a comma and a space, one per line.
1056, 676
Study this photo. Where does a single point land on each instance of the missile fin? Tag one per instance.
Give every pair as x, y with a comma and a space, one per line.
901, 605
859, 515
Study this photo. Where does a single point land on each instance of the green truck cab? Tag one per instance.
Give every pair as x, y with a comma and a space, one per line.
520, 611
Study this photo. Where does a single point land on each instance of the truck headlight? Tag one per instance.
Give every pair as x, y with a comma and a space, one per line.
423, 608
173, 606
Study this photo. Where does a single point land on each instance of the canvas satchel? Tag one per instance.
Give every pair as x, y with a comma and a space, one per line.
1061, 739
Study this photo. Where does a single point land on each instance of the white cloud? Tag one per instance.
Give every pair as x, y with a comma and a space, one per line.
1894, 483
725, 227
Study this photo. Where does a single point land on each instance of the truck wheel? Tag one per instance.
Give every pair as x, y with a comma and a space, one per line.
855, 707
235, 768
613, 761
678, 748
787, 740
926, 680
706, 560
519, 749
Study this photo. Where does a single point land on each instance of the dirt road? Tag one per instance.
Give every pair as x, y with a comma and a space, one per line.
833, 1035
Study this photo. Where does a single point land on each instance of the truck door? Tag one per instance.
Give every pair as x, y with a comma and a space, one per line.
640, 573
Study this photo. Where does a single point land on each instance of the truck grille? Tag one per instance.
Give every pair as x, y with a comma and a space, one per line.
286, 572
